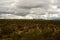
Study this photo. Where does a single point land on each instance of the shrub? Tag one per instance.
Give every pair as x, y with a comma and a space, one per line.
16, 37
33, 35
6, 30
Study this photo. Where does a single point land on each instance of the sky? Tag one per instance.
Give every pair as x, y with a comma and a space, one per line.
29, 9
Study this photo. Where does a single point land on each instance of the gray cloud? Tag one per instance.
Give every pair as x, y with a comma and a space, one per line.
29, 9
31, 3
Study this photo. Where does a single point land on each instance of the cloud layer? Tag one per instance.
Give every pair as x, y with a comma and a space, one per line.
29, 9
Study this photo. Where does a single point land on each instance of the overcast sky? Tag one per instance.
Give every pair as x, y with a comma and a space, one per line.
29, 9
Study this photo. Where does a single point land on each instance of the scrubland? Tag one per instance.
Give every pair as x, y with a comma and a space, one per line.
29, 29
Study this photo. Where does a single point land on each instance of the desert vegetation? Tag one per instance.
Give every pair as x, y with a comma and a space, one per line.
29, 29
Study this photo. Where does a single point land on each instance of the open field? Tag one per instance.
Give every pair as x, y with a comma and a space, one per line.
29, 29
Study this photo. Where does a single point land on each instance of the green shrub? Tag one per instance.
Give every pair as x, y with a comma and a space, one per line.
6, 30
33, 35
16, 37
47, 34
